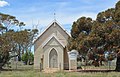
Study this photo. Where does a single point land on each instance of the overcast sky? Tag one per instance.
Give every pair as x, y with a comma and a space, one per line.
67, 11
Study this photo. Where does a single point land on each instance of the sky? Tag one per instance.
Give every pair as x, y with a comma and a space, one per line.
41, 12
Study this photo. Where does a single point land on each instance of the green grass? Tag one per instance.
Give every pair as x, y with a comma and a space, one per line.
27, 71
58, 74
100, 67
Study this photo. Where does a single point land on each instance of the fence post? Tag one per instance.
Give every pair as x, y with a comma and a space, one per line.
109, 64
16, 65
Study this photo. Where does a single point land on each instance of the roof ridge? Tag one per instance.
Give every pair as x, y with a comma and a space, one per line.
48, 28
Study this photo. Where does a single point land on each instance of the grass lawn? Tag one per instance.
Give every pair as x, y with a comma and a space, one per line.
32, 73
27, 71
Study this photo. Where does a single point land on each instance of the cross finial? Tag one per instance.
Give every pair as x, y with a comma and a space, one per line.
54, 16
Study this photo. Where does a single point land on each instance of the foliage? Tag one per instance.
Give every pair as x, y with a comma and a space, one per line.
93, 38
28, 57
13, 39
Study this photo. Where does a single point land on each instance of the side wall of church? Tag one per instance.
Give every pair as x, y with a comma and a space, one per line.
37, 57
66, 60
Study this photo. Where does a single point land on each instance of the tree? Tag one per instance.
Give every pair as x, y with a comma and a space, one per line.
80, 30
111, 30
6, 38
28, 58
25, 40
83, 24
96, 37
13, 39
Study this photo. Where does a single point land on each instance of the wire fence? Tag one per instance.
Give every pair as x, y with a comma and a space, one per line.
109, 65
16, 65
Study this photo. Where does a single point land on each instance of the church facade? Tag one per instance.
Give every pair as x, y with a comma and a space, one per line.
50, 48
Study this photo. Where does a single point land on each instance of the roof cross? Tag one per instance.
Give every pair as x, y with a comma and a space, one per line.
54, 16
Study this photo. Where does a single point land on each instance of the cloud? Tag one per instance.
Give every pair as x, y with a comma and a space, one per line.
66, 11
3, 3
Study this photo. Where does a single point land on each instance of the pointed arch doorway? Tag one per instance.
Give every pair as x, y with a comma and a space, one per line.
53, 59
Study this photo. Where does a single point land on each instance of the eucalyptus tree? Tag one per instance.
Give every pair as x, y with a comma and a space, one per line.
100, 35
6, 36
80, 30
110, 30
13, 39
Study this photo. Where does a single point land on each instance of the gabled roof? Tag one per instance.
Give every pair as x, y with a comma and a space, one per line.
49, 27
48, 39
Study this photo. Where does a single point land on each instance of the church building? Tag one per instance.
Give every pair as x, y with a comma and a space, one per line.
50, 48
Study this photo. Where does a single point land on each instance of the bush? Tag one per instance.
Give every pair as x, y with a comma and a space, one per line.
28, 58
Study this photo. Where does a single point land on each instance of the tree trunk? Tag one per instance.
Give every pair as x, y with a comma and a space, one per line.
118, 62
19, 54
25, 62
100, 62
3, 61
1, 68
19, 57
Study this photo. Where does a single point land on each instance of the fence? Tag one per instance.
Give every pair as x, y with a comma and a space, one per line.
108, 65
16, 65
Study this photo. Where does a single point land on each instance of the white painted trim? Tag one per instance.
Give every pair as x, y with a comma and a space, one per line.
63, 28
49, 56
47, 40
48, 28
